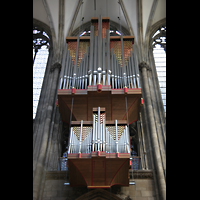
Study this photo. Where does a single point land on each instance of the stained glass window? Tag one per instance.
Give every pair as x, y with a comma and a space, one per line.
40, 56
159, 52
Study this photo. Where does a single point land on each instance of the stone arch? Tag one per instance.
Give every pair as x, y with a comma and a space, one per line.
98, 194
154, 28
45, 27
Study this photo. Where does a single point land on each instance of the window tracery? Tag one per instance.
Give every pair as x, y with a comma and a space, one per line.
159, 52
159, 37
41, 45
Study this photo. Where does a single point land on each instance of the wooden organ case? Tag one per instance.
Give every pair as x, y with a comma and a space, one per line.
99, 95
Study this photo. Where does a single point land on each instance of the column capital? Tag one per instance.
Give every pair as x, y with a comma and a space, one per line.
54, 66
144, 64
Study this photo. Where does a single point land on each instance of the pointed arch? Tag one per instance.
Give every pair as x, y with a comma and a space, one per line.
98, 194
113, 25
42, 45
154, 28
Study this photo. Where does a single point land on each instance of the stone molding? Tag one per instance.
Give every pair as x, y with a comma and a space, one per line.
141, 174
62, 175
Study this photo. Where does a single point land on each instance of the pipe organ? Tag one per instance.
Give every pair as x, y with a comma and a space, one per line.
99, 136
99, 95
99, 60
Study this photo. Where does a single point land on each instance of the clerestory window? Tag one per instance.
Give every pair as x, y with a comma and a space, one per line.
159, 52
40, 56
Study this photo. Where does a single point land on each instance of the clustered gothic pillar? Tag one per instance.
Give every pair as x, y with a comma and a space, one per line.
158, 163
55, 69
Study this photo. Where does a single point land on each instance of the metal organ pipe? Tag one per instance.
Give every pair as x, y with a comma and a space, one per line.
116, 136
115, 71
86, 67
127, 139
69, 68
93, 135
99, 62
103, 135
95, 59
99, 70
137, 75
103, 63
108, 55
112, 63
130, 73
63, 66
82, 77
65, 70
91, 53
80, 139
73, 147
123, 65
76, 60
70, 75
98, 131
77, 78
70, 141
133, 70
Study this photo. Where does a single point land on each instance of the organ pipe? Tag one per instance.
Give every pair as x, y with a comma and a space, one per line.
100, 64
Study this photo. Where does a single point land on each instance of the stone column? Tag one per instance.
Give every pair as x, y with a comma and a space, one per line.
156, 151
42, 154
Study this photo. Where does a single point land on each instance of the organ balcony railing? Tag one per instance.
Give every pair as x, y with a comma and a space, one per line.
134, 160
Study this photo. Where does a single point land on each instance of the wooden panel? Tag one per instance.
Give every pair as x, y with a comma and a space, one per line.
95, 109
83, 168
134, 91
74, 38
65, 108
98, 175
79, 123
112, 168
64, 92
102, 99
122, 176
118, 106
133, 108
99, 171
94, 88
76, 176
112, 122
114, 105
127, 37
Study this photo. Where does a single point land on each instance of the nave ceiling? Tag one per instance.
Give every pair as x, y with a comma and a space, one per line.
47, 11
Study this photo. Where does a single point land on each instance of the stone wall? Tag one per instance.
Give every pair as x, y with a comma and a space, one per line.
54, 189
142, 190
